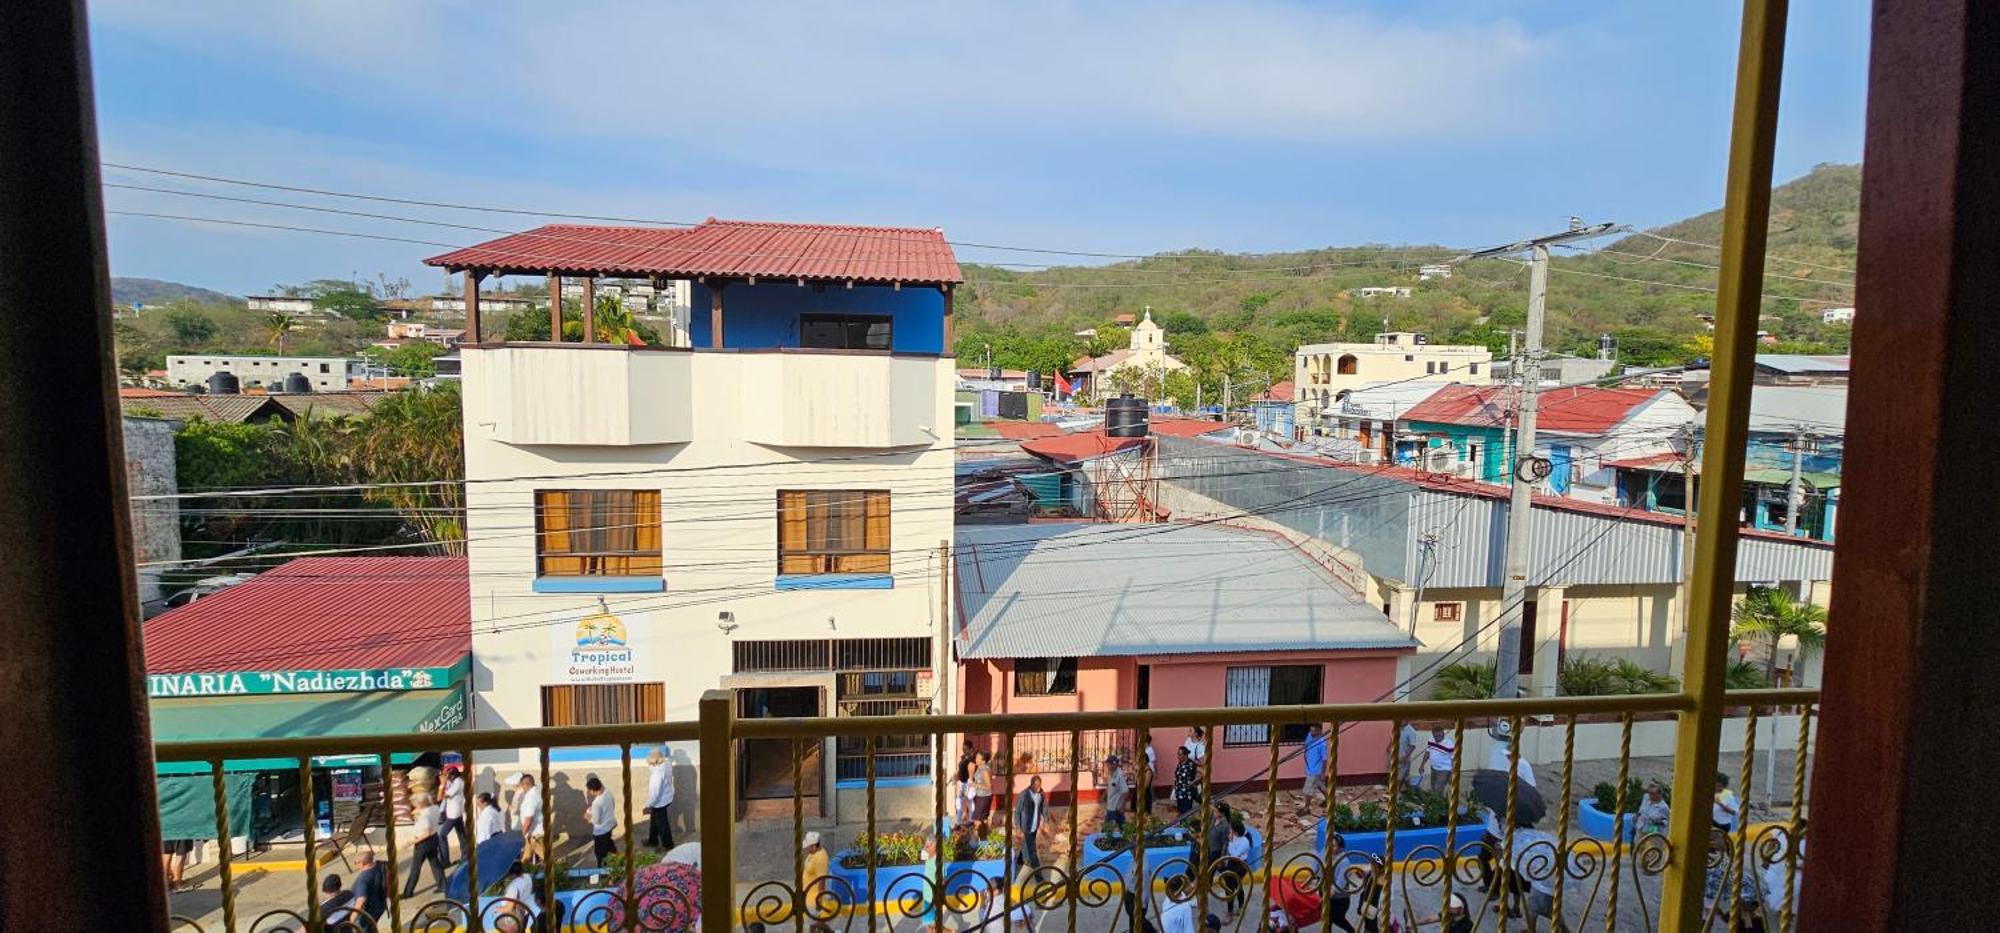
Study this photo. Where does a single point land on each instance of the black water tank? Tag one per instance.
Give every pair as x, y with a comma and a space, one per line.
297, 384
1034, 380
224, 382
1126, 416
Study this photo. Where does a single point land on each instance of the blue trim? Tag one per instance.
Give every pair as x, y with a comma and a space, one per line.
585, 753
861, 783
836, 581
600, 584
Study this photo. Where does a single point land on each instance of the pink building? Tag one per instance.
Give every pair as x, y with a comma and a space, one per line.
1166, 616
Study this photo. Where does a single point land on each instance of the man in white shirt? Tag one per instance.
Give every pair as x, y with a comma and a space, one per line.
1440, 752
1503, 749
1409, 765
520, 891
602, 822
490, 822
659, 796
528, 815
1534, 863
453, 823
424, 819
1727, 809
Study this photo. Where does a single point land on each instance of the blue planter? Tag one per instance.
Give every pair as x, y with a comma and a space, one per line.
1098, 861
893, 883
1407, 840
589, 900
1598, 823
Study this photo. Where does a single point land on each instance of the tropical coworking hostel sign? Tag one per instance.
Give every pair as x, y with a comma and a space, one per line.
253, 683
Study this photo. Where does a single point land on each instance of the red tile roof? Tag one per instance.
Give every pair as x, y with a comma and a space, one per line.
322, 613
1578, 410
1280, 392
1081, 446
137, 392
1186, 427
725, 248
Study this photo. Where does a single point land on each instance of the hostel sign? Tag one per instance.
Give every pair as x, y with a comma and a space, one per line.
598, 651
254, 683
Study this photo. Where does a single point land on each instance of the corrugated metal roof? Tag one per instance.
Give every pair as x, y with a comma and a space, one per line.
728, 248
1081, 446
1821, 409
1574, 410
1075, 590
1382, 400
1801, 364
322, 613
215, 408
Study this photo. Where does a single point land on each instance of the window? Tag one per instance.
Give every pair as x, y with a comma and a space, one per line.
603, 704
824, 531
597, 533
1347, 364
323, 368
1447, 612
1409, 358
1270, 686
882, 693
1472, 369
844, 331
1045, 677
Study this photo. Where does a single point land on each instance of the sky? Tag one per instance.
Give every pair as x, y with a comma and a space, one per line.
1122, 127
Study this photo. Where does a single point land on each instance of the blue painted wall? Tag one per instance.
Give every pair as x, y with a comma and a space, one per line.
760, 317
1492, 451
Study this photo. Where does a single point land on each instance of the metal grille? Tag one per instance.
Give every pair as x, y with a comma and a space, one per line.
831, 654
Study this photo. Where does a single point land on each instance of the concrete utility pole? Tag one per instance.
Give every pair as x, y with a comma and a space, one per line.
1795, 494
1527, 468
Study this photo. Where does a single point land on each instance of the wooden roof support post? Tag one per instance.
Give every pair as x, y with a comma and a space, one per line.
715, 316
555, 307
589, 309
949, 294
472, 277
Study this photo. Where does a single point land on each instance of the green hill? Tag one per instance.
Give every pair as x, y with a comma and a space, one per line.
1245, 313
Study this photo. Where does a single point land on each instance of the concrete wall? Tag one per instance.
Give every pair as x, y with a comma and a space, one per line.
1316, 367
328, 373
156, 524
1197, 681
766, 315
719, 529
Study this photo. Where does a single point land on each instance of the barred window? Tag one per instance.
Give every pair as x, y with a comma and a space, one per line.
597, 533
1042, 677
1291, 685
833, 531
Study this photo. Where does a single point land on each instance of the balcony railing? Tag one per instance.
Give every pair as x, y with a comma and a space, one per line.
1394, 850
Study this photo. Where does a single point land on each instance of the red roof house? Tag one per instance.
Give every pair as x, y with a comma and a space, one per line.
1575, 410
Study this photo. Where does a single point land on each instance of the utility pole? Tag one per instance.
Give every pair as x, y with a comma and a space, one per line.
1527, 468
1795, 494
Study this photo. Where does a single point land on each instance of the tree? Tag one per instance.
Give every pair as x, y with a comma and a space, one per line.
1465, 680
190, 327
416, 359
1770, 615
613, 323
348, 302
279, 324
413, 447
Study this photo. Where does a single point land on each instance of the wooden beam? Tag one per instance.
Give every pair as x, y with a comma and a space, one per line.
949, 295
555, 307
472, 277
1910, 696
715, 315
589, 309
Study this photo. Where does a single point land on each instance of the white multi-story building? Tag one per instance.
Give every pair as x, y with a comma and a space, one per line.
326, 373
1322, 370
283, 304
1837, 316
761, 512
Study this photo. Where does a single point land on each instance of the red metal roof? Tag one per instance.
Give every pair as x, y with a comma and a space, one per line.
1024, 430
1279, 392
1081, 446
1576, 410
322, 613
1186, 427
725, 248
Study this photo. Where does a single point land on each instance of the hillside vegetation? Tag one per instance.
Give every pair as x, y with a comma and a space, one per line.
1241, 315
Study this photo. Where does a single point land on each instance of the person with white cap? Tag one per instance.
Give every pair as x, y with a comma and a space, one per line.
659, 796
1456, 920
815, 867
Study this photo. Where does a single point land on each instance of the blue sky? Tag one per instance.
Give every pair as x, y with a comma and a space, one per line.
1119, 127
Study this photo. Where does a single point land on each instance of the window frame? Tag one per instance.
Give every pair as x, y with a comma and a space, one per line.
641, 562
847, 322
1044, 677
1255, 735
646, 700
1448, 612
871, 559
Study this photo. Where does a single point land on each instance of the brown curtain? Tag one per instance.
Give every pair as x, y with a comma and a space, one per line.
603, 704
598, 532
833, 531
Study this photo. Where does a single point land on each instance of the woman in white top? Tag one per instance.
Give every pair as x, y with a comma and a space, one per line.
489, 822
1196, 744
519, 895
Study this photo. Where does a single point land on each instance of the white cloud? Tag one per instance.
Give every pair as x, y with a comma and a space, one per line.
724, 74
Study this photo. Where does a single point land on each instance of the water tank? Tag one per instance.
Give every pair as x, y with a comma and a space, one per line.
224, 382
1606, 347
297, 384
1126, 416
1034, 380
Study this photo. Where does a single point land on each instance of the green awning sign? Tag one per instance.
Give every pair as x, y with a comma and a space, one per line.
252, 683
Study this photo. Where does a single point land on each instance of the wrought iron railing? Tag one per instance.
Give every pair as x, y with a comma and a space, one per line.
1497, 842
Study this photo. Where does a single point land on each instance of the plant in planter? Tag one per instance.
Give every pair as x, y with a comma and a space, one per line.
1605, 796
891, 849
1158, 834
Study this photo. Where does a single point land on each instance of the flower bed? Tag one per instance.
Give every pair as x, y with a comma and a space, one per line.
900, 871
1109, 853
1598, 824
1375, 843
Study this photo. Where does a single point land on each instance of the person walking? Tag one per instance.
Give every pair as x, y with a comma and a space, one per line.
1187, 783
598, 812
1409, 762
371, 886
1031, 810
1728, 808
982, 790
425, 817
1117, 792
1236, 871
1440, 753
528, 816
518, 897
813, 883
453, 824
489, 821
1653, 811
1316, 778
1338, 900
336, 907
1196, 744
659, 798
962, 803
1144, 783
173, 861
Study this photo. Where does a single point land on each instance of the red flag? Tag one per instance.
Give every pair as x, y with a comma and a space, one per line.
1063, 387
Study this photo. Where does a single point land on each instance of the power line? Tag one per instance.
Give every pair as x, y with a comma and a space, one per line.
1797, 262
1656, 257
1694, 288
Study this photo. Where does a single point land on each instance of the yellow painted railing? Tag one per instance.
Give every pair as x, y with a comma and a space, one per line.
1395, 850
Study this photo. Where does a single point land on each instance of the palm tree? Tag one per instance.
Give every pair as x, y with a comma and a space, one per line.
1464, 681
1770, 615
279, 324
